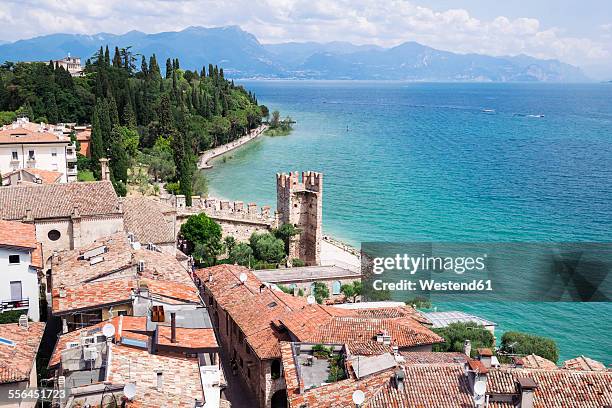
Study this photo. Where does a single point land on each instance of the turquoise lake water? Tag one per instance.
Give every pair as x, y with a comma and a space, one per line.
426, 162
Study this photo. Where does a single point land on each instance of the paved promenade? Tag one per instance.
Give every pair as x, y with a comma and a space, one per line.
218, 151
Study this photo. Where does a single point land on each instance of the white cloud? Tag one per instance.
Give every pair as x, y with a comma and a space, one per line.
386, 23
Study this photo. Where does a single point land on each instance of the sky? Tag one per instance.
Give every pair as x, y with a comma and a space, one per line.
577, 32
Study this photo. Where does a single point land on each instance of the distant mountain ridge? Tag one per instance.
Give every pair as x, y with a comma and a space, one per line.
243, 56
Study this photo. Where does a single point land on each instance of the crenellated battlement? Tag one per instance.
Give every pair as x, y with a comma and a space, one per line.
218, 208
310, 181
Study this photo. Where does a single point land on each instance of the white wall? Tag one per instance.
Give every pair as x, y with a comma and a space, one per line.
19, 272
43, 153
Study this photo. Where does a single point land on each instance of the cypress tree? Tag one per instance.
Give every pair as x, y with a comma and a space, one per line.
97, 144
113, 112
129, 117
169, 69
117, 58
106, 57
144, 67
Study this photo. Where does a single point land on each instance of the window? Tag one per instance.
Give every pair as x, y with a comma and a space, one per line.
122, 313
16, 292
336, 288
275, 369
31, 155
54, 235
54, 153
14, 259
15, 155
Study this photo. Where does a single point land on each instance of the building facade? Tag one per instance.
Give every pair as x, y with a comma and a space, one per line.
20, 263
25, 145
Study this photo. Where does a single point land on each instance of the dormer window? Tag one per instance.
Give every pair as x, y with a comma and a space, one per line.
15, 155
30, 154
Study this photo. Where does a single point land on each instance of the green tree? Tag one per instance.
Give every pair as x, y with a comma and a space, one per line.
203, 236
241, 254
285, 232
352, 290
523, 344
266, 247
229, 243
97, 145
455, 335
321, 292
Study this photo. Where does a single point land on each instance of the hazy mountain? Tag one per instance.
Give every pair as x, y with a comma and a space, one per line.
243, 56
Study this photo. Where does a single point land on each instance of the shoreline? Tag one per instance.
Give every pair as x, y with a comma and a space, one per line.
208, 155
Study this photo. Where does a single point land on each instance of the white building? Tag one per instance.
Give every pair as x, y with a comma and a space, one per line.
25, 145
70, 64
20, 261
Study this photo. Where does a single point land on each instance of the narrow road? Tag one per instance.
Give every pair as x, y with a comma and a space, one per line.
218, 151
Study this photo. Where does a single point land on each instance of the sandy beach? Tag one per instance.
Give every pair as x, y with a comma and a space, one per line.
208, 155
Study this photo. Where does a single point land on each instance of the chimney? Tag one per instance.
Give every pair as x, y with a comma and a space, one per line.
467, 347
399, 377
485, 355
160, 379
526, 387
104, 170
23, 321
172, 327
28, 216
62, 291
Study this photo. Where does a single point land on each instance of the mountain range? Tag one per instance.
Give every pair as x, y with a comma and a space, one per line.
242, 56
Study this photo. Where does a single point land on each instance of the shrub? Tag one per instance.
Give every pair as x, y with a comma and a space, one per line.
455, 335
242, 254
321, 292
297, 262
267, 248
204, 237
524, 344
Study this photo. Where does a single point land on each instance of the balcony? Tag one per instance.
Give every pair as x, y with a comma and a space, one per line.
7, 305
72, 171
71, 155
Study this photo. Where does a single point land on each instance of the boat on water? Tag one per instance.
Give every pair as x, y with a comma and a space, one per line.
488, 111
535, 116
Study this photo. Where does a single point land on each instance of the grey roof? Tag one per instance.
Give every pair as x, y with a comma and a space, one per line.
186, 318
364, 366
305, 273
144, 217
59, 200
443, 319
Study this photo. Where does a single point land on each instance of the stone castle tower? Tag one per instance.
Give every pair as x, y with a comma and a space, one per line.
301, 203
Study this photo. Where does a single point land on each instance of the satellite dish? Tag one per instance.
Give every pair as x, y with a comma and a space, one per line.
479, 399
129, 390
358, 397
243, 277
108, 330
480, 387
311, 300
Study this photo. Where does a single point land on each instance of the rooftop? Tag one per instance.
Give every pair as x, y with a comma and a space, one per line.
145, 218
262, 313
34, 175
27, 134
59, 200
112, 257
535, 361
305, 273
18, 350
443, 319
96, 295
20, 235
583, 363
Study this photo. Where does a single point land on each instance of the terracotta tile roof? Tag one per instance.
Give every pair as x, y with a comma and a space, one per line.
96, 295
26, 135
46, 176
557, 388
584, 363
181, 377
17, 234
312, 324
393, 312
144, 217
16, 361
83, 135
256, 310
424, 357
535, 361
120, 260
93, 295
188, 338
59, 200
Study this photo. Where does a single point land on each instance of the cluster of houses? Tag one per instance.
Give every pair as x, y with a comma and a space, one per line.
118, 316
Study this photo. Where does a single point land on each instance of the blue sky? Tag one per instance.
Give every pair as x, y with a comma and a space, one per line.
577, 32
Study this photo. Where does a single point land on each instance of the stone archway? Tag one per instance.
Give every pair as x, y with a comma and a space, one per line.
279, 399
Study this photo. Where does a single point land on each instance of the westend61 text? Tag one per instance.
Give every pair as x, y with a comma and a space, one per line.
480, 285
